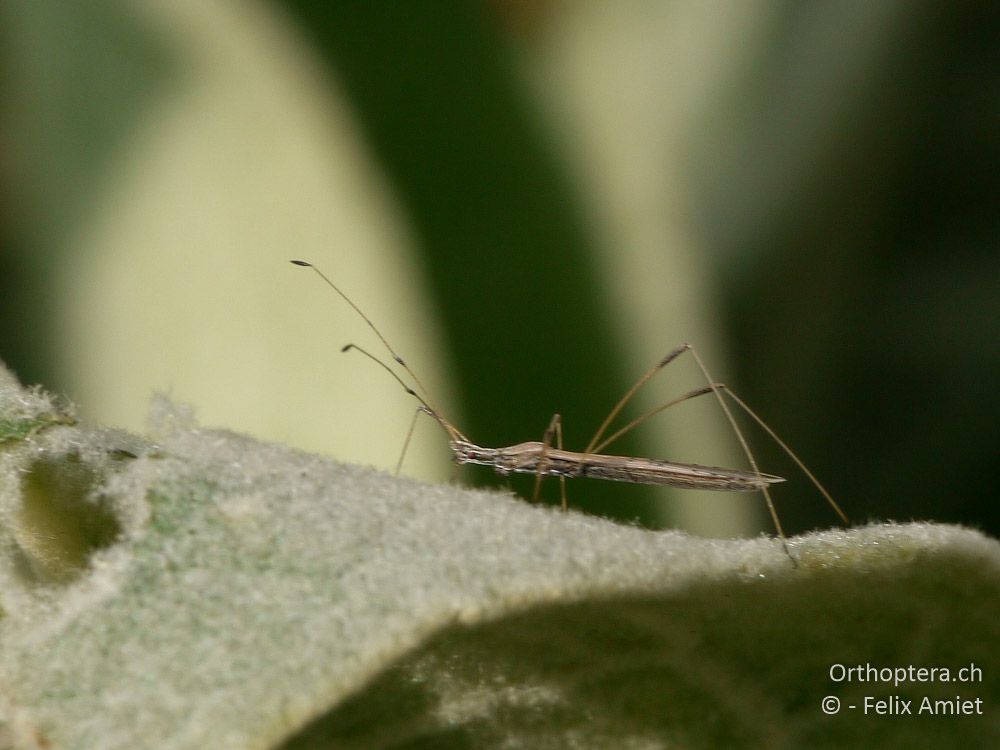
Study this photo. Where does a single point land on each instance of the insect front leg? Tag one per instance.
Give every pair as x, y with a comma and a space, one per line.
406, 443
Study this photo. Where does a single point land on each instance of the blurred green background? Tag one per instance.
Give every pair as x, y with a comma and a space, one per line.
536, 201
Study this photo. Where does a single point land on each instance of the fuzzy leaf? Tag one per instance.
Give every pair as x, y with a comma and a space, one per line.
198, 589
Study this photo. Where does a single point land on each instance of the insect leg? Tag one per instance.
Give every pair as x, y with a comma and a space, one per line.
554, 429
409, 434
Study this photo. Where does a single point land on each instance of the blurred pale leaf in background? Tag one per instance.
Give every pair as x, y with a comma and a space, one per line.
176, 275
536, 201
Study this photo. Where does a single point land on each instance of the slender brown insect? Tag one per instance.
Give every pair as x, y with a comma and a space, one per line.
543, 460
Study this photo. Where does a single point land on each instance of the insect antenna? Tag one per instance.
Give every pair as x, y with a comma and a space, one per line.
421, 393
425, 406
396, 358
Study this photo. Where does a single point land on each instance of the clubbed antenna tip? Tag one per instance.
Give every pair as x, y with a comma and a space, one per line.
396, 358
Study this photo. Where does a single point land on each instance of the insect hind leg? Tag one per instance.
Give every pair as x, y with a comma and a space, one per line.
597, 444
